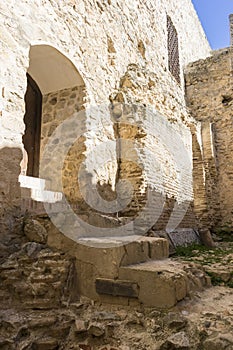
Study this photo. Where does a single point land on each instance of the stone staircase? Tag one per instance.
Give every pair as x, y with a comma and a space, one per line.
133, 270
129, 270
115, 270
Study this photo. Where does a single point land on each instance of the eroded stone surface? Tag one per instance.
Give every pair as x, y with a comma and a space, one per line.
209, 96
96, 56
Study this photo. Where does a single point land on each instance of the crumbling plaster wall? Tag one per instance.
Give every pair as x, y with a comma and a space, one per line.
209, 96
102, 39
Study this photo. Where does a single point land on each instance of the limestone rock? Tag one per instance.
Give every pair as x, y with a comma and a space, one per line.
80, 326
96, 329
106, 316
175, 321
32, 248
177, 341
37, 277
220, 342
35, 231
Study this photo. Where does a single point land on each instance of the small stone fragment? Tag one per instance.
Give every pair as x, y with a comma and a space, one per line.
176, 341
32, 248
80, 326
175, 320
96, 329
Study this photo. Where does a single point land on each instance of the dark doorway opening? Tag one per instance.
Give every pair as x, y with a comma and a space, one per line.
32, 120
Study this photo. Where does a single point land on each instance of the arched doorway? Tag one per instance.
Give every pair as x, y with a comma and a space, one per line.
50, 74
55, 91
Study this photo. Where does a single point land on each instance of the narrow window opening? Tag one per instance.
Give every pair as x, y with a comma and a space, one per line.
173, 50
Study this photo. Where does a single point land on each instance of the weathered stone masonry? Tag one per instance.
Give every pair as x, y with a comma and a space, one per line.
106, 48
57, 107
116, 69
209, 96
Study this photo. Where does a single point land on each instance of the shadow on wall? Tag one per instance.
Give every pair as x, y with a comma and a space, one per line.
10, 193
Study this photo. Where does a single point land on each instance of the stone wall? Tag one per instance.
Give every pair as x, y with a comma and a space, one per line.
106, 42
9, 188
209, 97
56, 108
166, 168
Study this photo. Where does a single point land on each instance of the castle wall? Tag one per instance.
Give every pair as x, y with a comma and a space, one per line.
103, 40
209, 97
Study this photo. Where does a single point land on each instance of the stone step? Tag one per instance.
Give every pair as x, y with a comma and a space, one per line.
37, 189
159, 284
109, 253
103, 257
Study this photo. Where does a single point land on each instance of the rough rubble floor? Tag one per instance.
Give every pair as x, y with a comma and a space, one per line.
37, 311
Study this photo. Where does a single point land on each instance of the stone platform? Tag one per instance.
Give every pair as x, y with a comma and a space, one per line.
131, 271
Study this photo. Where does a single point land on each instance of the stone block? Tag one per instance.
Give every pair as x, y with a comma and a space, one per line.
135, 252
116, 288
45, 344
184, 237
161, 283
158, 247
80, 326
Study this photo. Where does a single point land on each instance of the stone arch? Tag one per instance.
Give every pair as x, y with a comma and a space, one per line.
61, 92
52, 70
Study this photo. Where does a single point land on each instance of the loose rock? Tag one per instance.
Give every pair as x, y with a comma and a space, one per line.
177, 341
34, 231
